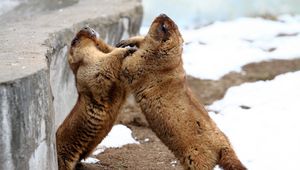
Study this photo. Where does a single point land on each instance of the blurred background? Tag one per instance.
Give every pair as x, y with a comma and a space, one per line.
186, 13
199, 12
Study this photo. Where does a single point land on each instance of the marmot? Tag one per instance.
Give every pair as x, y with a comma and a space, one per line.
155, 75
96, 67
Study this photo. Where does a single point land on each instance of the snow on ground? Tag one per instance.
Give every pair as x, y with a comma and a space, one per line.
212, 51
90, 160
261, 120
119, 136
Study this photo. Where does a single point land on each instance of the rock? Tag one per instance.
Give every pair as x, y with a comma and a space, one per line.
36, 86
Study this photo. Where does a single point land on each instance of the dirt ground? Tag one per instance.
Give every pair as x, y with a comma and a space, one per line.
151, 153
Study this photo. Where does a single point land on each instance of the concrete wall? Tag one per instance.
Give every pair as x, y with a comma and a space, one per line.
36, 85
26, 117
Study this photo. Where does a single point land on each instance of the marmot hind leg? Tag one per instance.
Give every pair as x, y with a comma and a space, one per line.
64, 164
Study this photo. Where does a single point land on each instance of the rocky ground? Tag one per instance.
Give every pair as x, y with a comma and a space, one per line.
151, 153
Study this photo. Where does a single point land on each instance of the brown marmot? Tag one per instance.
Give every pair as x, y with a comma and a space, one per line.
96, 67
157, 79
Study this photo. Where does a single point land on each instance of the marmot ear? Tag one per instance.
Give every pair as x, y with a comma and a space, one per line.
74, 61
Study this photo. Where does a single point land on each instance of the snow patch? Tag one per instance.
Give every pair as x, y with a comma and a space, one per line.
99, 149
215, 50
212, 51
119, 136
90, 160
262, 120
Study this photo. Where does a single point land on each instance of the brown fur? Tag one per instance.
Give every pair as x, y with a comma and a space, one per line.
96, 67
156, 76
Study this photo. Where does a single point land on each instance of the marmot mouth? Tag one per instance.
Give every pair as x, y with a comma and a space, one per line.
163, 28
86, 32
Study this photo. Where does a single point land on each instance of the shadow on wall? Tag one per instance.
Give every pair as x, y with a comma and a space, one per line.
190, 13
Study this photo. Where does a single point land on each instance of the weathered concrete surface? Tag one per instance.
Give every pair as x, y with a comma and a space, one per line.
33, 71
29, 8
26, 117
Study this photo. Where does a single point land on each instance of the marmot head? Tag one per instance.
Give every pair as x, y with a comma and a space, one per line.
158, 52
164, 34
86, 38
94, 63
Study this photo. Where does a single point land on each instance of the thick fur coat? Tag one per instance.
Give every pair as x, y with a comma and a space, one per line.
155, 75
96, 67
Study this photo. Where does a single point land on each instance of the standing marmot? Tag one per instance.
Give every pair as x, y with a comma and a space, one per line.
156, 76
96, 67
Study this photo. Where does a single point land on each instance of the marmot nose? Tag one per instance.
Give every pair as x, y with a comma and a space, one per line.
163, 16
88, 29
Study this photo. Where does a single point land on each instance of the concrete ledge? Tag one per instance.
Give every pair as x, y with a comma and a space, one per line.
33, 71
26, 116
